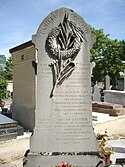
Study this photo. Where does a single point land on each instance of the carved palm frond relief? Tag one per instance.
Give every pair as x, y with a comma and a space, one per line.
63, 44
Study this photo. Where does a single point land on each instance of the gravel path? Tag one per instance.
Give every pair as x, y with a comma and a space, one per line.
12, 151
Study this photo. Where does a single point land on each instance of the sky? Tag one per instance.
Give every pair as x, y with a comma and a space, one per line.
20, 19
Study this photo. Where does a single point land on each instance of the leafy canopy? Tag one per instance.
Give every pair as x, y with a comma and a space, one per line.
109, 56
6, 73
9, 69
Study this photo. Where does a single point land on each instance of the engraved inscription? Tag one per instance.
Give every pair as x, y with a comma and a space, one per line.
47, 22
45, 71
72, 130
73, 104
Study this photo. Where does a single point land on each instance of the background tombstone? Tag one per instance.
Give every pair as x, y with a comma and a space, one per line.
107, 82
96, 93
63, 120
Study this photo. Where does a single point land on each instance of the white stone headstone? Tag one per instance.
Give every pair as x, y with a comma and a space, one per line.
107, 82
63, 120
96, 93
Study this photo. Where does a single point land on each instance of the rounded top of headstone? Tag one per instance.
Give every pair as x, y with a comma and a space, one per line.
57, 17
72, 15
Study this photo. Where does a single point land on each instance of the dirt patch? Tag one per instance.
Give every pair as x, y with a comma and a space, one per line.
12, 152
115, 128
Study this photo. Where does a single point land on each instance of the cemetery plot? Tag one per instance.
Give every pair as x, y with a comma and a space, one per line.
9, 128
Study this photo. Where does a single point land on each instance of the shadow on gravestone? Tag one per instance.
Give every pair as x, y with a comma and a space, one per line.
63, 119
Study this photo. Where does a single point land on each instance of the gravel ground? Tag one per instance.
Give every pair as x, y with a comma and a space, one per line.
16, 163
12, 151
115, 126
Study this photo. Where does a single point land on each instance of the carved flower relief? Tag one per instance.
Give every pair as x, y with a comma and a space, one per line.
63, 44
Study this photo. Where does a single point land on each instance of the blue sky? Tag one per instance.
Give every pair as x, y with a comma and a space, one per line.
19, 19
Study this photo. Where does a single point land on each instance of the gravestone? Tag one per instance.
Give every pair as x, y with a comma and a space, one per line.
96, 93
9, 129
107, 82
63, 119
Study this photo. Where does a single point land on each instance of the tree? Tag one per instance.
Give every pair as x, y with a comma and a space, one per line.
9, 69
3, 86
6, 74
2, 62
108, 55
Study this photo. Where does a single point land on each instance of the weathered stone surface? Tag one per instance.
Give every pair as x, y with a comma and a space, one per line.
96, 93
63, 118
7, 122
24, 80
107, 82
9, 128
106, 105
122, 111
108, 108
114, 96
77, 161
8, 136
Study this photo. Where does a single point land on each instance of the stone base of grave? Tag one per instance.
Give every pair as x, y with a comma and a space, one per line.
38, 160
9, 128
108, 108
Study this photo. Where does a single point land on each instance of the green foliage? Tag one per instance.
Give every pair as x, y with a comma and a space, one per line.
3, 86
9, 69
2, 61
5, 75
108, 55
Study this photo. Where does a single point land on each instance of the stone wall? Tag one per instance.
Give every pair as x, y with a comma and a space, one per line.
24, 79
114, 96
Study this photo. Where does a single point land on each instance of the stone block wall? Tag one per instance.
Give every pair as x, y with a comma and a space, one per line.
24, 80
